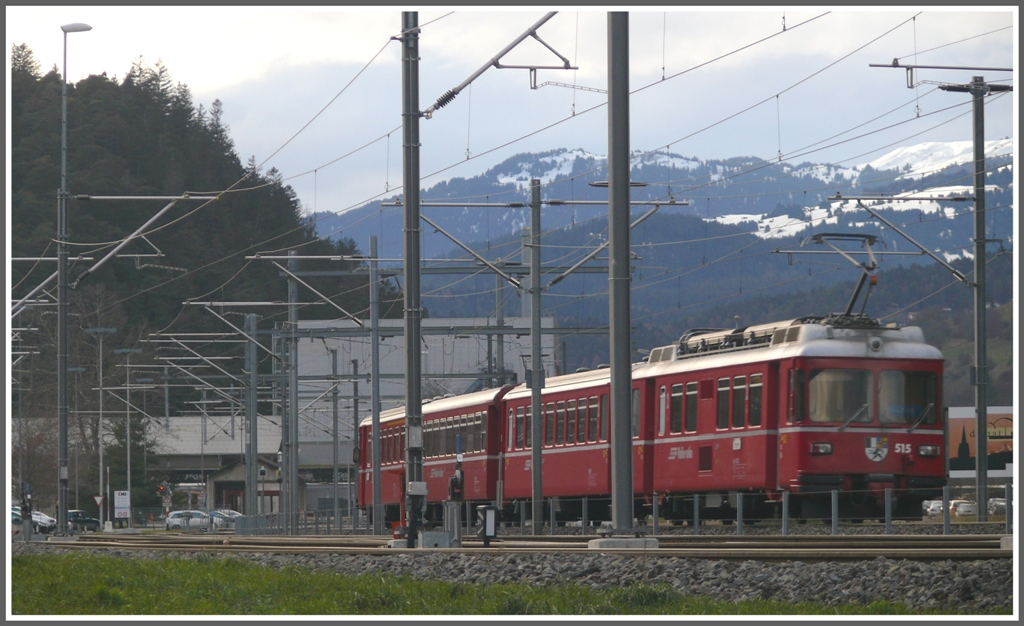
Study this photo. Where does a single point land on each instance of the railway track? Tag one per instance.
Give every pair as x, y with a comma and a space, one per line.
771, 548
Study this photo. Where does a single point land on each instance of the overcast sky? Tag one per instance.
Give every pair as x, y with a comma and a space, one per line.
790, 80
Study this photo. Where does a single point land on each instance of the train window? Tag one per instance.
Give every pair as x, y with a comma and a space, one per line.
528, 426
755, 399
385, 441
662, 401
427, 441
401, 444
677, 408
592, 434
571, 433
797, 394
739, 400
634, 414
907, 397
691, 407
549, 426
511, 440
723, 403
560, 424
482, 433
836, 395
520, 427
604, 417
582, 434
468, 433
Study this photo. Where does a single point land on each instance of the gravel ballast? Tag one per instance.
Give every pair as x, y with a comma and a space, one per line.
969, 586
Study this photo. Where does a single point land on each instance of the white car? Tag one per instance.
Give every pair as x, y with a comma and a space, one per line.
963, 508
41, 522
934, 508
177, 520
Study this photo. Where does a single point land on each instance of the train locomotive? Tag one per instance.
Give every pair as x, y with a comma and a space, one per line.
805, 406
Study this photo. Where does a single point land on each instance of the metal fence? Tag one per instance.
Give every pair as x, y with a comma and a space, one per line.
734, 512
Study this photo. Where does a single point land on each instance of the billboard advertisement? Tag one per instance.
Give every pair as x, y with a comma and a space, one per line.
962, 441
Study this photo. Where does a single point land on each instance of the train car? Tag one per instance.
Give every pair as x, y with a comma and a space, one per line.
806, 406
466, 425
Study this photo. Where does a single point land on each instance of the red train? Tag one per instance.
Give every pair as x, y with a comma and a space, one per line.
807, 406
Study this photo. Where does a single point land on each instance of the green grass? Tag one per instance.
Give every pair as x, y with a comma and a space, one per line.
100, 585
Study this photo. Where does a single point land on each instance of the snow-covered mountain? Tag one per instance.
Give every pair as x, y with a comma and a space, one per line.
768, 199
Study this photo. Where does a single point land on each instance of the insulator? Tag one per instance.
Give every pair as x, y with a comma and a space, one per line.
445, 99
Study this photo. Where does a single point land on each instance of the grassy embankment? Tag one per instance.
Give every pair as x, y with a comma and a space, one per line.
100, 585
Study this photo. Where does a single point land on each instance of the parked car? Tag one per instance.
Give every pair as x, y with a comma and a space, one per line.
963, 508
933, 508
997, 506
80, 520
177, 520
224, 518
41, 522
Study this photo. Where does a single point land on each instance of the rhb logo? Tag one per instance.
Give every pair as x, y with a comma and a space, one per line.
680, 453
876, 448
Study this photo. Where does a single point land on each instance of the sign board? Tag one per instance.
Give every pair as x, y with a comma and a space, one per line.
99, 500
167, 500
122, 504
962, 442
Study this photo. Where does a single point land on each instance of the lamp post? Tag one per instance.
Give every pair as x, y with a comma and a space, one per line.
128, 423
62, 295
100, 332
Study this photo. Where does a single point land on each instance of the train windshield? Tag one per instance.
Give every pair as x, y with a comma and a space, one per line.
837, 395
907, 397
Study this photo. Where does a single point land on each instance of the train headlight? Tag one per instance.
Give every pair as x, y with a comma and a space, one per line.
821, 447
927, 450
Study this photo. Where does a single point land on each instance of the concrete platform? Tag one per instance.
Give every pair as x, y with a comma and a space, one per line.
1006, 542
59, 539
623, 543
398, 543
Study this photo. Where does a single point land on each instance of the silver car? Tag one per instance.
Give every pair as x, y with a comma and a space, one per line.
178, 520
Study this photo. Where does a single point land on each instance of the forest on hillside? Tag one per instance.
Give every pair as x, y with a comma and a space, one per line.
140, 135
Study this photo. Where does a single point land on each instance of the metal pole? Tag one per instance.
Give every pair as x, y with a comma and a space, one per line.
378, 506
62, 309
499, 305
785, 513
334, 433
618, 271
945, 510
537, 367
293, 399
252, 454
739, 513
167, 401
128, 430
353, 511
416, 489
696, 513
888, 510
1008, 497
99, 438
835, 512
978, 91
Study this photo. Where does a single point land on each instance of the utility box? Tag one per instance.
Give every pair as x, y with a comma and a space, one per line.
488, 518
434, 539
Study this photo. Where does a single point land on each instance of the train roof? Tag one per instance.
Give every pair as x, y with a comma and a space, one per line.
829, 336
441, 405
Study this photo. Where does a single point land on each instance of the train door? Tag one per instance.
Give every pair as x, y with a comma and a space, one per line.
772, 423
643, 418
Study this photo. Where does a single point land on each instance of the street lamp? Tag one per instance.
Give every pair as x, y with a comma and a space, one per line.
100, 332
128, 423
62, 294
